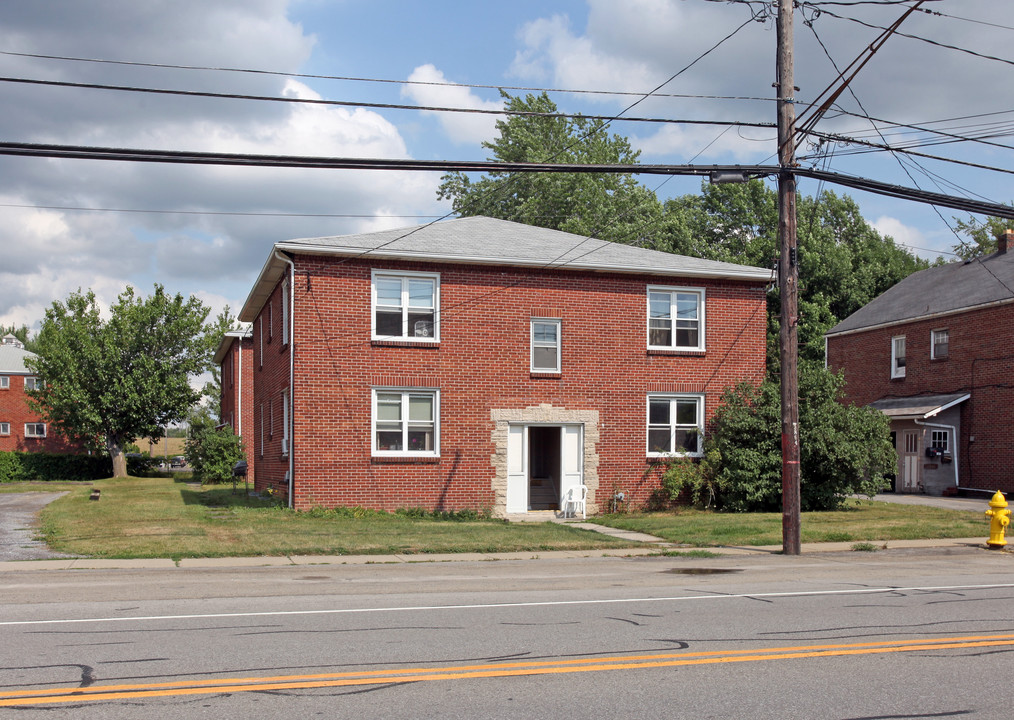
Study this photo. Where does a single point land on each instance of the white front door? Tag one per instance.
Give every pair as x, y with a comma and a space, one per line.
517, 469
571, 448
911, 460
571, 464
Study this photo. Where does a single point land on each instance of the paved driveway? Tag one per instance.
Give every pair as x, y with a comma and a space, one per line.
18, 520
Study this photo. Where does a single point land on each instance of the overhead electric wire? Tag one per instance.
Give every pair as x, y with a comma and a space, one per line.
237, 213
345, 78
356, 103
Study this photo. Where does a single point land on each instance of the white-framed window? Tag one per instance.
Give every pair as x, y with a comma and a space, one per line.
546, 343
260, 334
898, 357
405, 306
5, 428
940, 342
406, 422
33, 383
5, 382
285, 422
35, 430
260, 445
675, 425
285, 312
676, 318
938, 440
271, 320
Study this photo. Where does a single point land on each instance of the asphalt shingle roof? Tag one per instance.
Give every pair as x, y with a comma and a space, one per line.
943, 289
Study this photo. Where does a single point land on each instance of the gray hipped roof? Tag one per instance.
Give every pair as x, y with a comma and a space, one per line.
923, 406
12, 360
938, 290
488, 241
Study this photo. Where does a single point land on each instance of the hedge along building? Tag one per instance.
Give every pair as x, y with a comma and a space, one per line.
484, 364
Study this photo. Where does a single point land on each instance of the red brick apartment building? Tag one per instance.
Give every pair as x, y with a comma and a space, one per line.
20, 428
235, 358
935, 353
484, 364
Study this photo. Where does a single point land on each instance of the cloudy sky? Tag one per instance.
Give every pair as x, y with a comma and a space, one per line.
68, 224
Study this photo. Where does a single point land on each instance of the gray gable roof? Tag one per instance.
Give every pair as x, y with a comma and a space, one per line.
488, 241
938, 290
12, 360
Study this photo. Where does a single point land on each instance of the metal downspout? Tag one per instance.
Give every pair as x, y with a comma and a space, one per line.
954, 444
292, 372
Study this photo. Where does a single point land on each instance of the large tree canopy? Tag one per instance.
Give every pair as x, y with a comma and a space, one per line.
607, 206
117, 380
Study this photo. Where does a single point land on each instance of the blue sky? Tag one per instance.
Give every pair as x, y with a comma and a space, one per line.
197, 229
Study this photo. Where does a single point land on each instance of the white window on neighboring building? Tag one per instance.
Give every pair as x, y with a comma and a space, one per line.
260, 445
285, 312
676, 318
260, 333
545, 341
286, 415
898, 357
675, 425
5, 428
405, 306
940, 342
271, 320
938, 440
33, 383
35, 430
5, 382
405, 422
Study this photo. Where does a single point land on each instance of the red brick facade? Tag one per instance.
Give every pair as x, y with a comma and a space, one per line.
479, 371
15, 415
235, 358
980, 361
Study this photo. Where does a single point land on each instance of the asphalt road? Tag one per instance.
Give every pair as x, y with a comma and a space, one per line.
895, 634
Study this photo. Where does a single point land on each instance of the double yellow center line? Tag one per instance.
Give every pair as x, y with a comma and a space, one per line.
97, 693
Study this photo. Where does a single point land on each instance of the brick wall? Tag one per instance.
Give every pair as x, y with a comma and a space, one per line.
237, 398
481, 364
980, 361
14, 410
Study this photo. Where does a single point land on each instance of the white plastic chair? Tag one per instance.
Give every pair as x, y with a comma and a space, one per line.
574, 499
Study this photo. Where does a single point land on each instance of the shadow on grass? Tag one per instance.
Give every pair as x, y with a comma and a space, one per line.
222, 496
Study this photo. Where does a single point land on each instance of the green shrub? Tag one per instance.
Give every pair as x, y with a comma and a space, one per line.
694, 480
16, 466
212, 454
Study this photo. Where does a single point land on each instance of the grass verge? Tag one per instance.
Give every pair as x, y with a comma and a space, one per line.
859, 521
155, 517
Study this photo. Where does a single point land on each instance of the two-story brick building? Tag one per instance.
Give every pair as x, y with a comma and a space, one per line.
235, 360
484, 364
936, 354
22, 429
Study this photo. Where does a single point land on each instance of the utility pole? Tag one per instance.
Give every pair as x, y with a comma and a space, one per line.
788, 280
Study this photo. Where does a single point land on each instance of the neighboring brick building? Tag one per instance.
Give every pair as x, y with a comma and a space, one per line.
235, 358
483, 364
20, 428
935, 354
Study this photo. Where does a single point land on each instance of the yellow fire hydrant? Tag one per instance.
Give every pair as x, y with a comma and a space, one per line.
999, 519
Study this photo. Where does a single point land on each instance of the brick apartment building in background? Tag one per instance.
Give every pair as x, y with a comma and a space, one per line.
235, 359
935, 353
21, 429
484, 364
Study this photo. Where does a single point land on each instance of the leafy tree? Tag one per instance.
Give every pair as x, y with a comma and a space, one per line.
981, 236
844, 449
117, 380
211, 451
604, 205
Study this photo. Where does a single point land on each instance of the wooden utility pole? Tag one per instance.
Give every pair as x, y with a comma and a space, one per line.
788, 280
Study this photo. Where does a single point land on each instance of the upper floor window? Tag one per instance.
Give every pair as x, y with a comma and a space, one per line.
405, 422
676, 318
285, 312
898, 357
545, 345
5, 428
36, 430
940, 341
33, 383
405, 306
675, 425
5, 382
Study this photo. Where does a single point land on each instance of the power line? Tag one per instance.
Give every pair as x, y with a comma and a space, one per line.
78, 208
433, 83
353, 103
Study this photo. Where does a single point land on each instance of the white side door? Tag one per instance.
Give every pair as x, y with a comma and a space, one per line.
911, 461
572, 458
517, 469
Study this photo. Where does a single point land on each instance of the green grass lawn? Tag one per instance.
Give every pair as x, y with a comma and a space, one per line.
155, 517
860, 520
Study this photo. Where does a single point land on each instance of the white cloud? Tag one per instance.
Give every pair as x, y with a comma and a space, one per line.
903, 234
461, 128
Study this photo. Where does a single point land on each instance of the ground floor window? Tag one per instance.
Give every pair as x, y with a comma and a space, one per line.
5, 428
36, 430
675, 425
405, 422
938, 440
